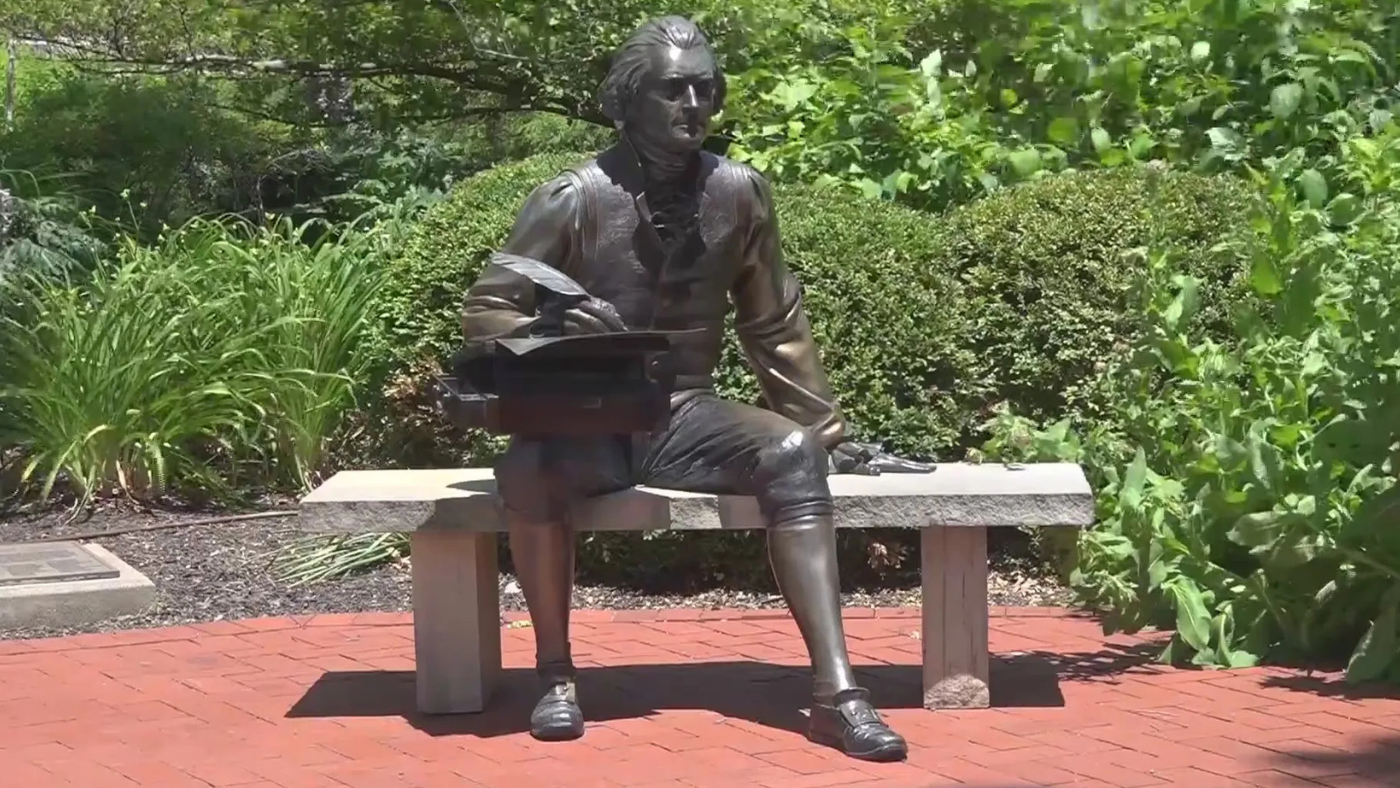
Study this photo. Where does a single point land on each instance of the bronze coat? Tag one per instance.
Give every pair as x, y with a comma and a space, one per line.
592, 223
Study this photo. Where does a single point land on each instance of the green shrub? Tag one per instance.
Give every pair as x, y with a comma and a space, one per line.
417, 316
1048, 277
925, 323
43, 227
886, 322
148, 150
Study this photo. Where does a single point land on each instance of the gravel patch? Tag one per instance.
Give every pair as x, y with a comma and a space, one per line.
215, 572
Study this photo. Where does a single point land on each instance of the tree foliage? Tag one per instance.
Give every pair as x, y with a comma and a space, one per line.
937, 108
425, 58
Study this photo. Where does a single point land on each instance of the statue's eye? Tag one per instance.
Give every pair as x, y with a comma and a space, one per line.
675, 89
704, 89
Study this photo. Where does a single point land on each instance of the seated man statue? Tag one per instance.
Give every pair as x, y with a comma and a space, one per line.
664, 236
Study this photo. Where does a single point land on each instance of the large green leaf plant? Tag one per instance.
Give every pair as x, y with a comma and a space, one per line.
1246, 489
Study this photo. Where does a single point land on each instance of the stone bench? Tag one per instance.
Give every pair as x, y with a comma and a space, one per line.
453, 517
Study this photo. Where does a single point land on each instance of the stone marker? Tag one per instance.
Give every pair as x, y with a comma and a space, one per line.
64, 585
50, 563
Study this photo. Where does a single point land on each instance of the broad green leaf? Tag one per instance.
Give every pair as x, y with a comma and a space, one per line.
871, 189
791, 94
1378, 647
1025, 161
1284, 99
1226, 141
1142, 144
1291, 552
1379, 119
1206, 657
1344, 208
1200, 50
1264, 461
1230, 452
1314, 187
1102, 141
1264, 276
932, 64
1134, 480
1158, 572
1185, 303
1355, 441
1192, 618
1239, 658
1064, 131
1258, 529
1169, 655
1380, 514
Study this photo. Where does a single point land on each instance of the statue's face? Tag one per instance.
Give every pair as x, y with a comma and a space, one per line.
676, 99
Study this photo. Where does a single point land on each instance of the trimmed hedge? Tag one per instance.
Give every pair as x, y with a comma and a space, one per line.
925, 324
881, 316
1047, 273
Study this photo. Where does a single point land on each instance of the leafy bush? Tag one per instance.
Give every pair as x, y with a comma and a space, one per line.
1247, 488
924, 323
903, 305
1048, 291
43, 229
149, 151
225, 350
885, 320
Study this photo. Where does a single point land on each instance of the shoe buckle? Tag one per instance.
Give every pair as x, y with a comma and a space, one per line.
858, 714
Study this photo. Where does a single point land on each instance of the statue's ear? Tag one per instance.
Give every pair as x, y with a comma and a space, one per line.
613, 102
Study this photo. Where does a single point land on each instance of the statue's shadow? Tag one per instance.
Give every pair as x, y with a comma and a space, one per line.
769, 695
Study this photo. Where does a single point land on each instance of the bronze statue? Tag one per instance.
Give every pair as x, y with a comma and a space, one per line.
664, 236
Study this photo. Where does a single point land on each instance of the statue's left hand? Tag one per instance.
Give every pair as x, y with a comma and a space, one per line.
867, 459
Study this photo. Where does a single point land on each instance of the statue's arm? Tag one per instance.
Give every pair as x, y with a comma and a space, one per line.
548, 229
774, 332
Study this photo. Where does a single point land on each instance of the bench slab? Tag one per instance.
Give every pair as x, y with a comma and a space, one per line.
955, 495
454, 516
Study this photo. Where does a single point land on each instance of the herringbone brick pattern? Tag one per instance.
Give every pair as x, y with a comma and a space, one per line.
675, 698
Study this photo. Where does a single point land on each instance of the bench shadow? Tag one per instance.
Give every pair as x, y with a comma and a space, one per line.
774, 696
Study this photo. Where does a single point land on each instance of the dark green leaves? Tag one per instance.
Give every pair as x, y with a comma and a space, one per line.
1379, 648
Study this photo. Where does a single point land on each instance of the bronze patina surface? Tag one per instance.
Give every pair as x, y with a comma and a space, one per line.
664, 236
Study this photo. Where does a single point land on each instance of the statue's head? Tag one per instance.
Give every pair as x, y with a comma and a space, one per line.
665, 85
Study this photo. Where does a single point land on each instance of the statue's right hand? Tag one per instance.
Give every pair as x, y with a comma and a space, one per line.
594, 316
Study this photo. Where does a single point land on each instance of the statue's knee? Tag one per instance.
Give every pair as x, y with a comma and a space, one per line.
791, 478
795, 454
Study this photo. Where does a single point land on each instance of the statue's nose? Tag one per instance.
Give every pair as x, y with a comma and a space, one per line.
690, 100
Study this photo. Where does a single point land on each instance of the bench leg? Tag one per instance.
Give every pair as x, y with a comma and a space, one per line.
456, 620
955, 618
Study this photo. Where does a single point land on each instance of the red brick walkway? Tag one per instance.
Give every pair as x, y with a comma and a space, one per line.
282, 703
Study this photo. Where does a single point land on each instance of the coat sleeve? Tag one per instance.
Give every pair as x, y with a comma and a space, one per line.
548, 229
773, 330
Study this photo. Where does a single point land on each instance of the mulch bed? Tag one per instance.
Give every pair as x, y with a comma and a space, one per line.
222, 571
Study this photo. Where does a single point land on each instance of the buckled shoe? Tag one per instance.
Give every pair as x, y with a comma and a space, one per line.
850, 724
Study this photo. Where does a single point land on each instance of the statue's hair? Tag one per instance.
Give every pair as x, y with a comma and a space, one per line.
633, 58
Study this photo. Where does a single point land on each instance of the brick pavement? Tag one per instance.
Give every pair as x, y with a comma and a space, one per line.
680, 699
